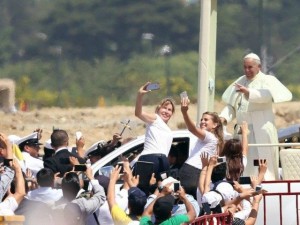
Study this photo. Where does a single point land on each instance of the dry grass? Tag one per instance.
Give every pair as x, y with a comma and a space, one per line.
101, 123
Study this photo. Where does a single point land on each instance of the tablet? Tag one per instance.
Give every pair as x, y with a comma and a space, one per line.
144, 170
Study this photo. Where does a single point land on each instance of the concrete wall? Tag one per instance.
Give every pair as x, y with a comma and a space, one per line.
7, 95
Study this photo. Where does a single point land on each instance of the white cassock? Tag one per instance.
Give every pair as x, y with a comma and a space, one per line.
257, 111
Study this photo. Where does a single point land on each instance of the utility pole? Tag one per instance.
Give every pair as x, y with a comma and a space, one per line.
207, 57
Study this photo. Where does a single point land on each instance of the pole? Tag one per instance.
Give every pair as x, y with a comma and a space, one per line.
207, 57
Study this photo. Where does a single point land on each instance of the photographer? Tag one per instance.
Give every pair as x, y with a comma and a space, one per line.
133, 198
162, 207
73, 193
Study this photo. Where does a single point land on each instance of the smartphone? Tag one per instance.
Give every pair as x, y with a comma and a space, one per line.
78, 135
152, 86
221, 159
120, 164
80, 167
237, 129
245, 180
258, 188
255, 162
144, 170
29, 179
163, 175
176, 186
183, 95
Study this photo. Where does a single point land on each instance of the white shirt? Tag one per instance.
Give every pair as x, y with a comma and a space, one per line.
103, 214
34, 164
208, 144
45, 194
8, 206
158, 138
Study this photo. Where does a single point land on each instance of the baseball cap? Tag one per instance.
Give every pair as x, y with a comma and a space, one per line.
136, 195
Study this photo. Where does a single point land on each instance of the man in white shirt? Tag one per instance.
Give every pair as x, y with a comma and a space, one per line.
45, 193
30, 146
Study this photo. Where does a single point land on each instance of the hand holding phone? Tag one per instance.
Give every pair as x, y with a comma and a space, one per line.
144, 170
80, 167
176, 186
221, 159
152, 87
78, 135
120, 164
259, 190
183, 95
256, 162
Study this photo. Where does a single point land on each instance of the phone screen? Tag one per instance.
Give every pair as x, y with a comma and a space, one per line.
255, 162
183, 95
176, 186
258, 188
120, 164
78, 135
144, 170
245, 180
152, 86
221, 159
81, 167
163, 175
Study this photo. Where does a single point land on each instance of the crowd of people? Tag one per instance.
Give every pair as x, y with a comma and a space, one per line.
61, 188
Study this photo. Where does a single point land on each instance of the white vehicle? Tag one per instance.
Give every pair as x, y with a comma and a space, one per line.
132, 149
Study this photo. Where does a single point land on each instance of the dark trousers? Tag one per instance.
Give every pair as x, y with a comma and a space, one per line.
160, 161
189, 179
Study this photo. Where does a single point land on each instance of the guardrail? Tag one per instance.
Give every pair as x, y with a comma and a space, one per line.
277, 144
213, 219
280, 206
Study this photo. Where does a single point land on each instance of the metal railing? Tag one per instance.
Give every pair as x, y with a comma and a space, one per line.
213, 219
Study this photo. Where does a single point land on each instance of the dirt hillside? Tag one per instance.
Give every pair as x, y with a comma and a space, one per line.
100, 123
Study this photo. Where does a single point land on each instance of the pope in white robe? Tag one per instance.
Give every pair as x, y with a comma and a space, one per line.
250, 99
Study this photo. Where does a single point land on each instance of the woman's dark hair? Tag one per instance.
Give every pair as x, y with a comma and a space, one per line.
70, 185
233, 151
